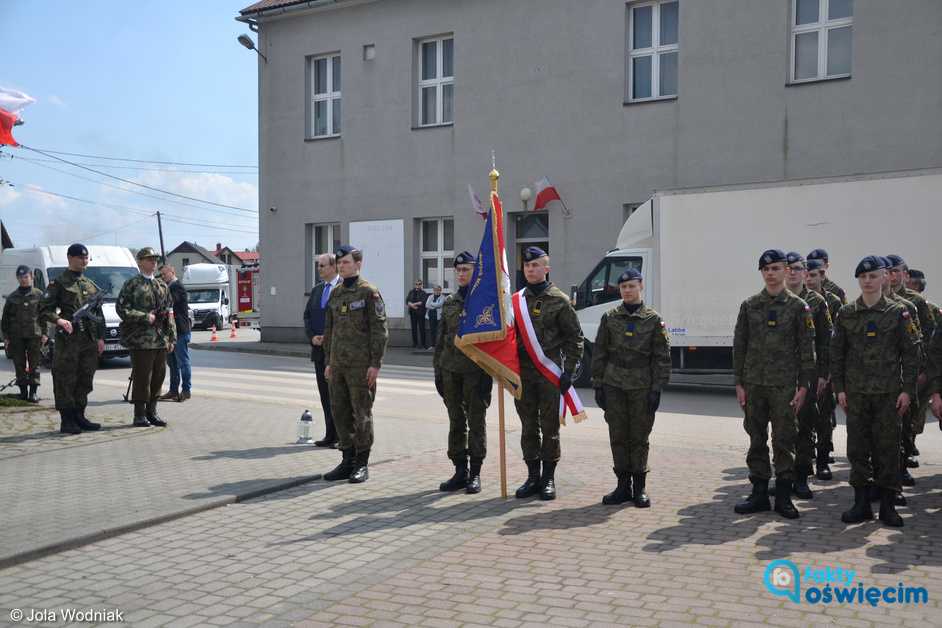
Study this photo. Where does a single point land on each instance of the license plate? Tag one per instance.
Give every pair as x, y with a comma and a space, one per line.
113, 346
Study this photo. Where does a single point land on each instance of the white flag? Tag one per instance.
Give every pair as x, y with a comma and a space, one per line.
13, 100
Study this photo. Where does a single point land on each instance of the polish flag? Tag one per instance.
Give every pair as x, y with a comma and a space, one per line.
7, 121
11, 103
545, 194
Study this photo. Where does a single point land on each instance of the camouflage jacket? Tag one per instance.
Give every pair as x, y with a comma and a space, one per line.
139, 297
447, 355
632, 351
773, 343
355, 332
914, 315
834, 304
823, 325
925, 313
64, 296
874, 349
829, 286
21, 315
557, 330
934, 370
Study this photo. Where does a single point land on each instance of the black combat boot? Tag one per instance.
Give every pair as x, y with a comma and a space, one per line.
905, 477
800, 486
912, 463
758, 500
915, 449
459, 480
532, 484
360, 472
474, 477
640, 497
824, 471
24, 395
32, 398
84, 423
341, 471
888, 514
68, 424
783, 499
861, 510
152, 417
548, 481
140, 414
622, 492
899, 499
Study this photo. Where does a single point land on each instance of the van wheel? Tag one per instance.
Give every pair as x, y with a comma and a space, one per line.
582, 377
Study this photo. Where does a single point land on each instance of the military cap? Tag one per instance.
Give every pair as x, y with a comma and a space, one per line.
344, 250
147, 252
463, 258
77, 250
870, 264
793, 258
533, 253
770, 257
886, 261
814, 264
22, 270
895, 260
916, 274
820, 254
630, 275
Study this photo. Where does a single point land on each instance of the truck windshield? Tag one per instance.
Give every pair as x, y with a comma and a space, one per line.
109, 279
203, 296
601, 286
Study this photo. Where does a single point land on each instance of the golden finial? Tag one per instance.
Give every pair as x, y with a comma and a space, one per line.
493, 175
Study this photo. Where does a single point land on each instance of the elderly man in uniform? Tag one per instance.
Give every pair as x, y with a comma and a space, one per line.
559, 334
827, 404
827, 285
149, 332
23, 332
355, 338
72, 303
630, 366
873, 369
773, 361
464, 387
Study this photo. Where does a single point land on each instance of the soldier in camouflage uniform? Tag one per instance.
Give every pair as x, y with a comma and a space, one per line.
773, 362
560, 336
827, 285
827, 404
355, 338
72, 302
630, 366
934, 384
808, 416
149, 332
465, 388
23, 332
916, 281
873, 369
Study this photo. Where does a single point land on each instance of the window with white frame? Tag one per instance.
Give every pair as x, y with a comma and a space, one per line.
436, 72
324, 239
325, 106
822, 35
653, 44
437, 252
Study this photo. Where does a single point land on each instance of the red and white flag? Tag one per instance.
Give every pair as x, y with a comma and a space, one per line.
11, 103
7, 120
545, 194
476, 203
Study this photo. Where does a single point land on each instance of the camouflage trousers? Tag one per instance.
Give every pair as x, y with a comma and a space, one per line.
629, 428
467, 430
764, 405
808, 420
351, 404
74, 363
148, 370
25, 353
824, 431
922, 410
873, 435
538, 409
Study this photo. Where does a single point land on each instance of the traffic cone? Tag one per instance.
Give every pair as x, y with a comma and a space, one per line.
214, 337
232, 329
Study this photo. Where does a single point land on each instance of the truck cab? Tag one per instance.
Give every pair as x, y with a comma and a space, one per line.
209, 292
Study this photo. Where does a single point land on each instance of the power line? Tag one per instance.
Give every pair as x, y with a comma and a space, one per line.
145, 161
142, 169
147, 187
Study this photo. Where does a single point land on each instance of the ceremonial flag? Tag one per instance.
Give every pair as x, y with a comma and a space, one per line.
545, 194
14, 100
7, 120
486, 331
476, 203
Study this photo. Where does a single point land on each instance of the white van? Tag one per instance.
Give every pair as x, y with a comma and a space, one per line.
210, 293
108, 266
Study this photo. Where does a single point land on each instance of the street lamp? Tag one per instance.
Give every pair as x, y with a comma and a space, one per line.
525, 195
246, 41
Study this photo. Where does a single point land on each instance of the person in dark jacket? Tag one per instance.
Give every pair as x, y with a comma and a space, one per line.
314, 316
23, 332
179, 359
415, 301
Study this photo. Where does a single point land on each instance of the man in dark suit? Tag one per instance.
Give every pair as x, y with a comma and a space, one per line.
178, 360
314, 317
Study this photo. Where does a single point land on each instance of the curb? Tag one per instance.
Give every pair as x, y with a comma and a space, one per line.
232, 348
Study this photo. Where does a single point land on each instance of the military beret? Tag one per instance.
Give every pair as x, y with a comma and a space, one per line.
895, 260
533, 253
77, 250
345, 250
886, 261
147, 252
630, 275
22, 270
916, 274
820, 254
869, 264
815, 264
770, 257
464, 258
793, 258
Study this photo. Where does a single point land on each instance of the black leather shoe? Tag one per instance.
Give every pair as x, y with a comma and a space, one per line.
68, 424
361, 472
474, 477
622, 492
326, 442
84, 423
911, 463
640, 497
861, 510
783, 499
899, 499
152, 416
888, 514
824, 471
906, 478
458, 481
758, 500
800, 486
532, 484
548, 482
341, 471
140, 415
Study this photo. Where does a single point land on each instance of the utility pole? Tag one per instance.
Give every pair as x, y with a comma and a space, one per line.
160, 230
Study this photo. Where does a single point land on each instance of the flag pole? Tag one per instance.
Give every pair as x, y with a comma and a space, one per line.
494, 175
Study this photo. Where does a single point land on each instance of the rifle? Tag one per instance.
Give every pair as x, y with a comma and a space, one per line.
88, 311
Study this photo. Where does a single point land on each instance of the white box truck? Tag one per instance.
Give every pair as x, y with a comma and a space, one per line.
698, 250
108, 266
210, 289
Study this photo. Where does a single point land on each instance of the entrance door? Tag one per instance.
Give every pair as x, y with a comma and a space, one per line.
530, 229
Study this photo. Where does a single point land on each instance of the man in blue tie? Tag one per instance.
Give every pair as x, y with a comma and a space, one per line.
314, 317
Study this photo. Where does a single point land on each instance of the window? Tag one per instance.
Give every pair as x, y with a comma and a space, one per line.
821, 39
436, 96
601, 286
186, 262
324, 239
436, 253
628, 209
653, 42
325, 102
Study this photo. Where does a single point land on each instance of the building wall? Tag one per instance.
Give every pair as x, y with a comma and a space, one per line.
543, 84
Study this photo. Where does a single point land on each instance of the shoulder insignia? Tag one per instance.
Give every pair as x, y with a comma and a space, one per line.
809, 323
